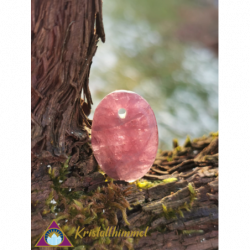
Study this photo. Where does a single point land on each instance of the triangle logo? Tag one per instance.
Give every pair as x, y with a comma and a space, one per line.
54, 237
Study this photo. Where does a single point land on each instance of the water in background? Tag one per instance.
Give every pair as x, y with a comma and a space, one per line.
166, 51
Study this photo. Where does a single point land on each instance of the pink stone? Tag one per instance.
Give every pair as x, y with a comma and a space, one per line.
125, 148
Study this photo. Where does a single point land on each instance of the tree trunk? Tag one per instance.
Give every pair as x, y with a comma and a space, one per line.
64, 36
65, 175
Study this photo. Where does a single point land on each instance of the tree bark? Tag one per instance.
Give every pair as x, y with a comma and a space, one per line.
64, 36
188, 223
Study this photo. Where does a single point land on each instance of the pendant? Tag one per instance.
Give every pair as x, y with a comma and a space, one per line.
124, 135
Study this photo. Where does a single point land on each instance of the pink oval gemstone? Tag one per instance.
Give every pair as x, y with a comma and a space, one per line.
124, 145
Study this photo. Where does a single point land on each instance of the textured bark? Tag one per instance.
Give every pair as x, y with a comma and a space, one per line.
64, 36
196, 229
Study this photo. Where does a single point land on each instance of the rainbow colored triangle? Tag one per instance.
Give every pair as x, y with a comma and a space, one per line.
44, 243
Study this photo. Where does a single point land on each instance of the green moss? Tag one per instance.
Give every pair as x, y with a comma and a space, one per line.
145, 184
180, 212
192, 232
82, 247
169, 180
193, 194
99, 207
49, 199
169, 213
45, 211
172, 213
187, 142
169, 158
191, 188
91, 210
175, 143
62, 217
185, 206
161, 229
66, 163
214, 134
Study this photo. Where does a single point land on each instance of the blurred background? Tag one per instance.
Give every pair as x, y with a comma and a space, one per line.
167, 52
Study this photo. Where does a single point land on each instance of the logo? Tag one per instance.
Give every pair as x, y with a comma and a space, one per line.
54, 237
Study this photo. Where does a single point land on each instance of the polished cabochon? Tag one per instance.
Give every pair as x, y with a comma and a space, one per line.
124, 135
